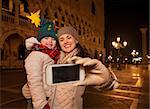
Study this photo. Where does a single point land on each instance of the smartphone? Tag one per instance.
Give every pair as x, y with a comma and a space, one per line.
64, 73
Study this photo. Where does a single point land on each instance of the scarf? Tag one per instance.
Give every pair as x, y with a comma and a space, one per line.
63, 58
53, 53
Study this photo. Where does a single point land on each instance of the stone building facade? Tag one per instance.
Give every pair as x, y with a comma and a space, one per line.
87, 16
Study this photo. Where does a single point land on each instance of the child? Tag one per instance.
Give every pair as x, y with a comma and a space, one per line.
43, 53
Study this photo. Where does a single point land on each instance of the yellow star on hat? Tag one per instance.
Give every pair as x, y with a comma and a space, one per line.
35, 18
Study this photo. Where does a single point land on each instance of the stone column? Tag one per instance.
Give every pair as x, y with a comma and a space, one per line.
0, 58
0, 10
16, 12
144, 43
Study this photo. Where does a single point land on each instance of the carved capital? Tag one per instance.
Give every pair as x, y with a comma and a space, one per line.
143, 30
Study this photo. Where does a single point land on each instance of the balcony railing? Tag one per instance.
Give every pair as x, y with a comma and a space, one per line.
9, 17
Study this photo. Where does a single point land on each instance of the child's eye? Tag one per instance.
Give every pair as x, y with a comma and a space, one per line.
45, 37
53, 39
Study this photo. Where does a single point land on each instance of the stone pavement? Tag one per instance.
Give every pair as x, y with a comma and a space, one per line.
133, 92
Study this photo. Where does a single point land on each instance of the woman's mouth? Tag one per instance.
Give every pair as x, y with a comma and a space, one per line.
67, 46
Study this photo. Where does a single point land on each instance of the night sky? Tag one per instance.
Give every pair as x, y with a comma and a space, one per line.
125, 17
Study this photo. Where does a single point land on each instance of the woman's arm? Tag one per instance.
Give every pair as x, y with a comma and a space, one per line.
96, 73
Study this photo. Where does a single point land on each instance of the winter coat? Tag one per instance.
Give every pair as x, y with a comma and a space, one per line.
64, 96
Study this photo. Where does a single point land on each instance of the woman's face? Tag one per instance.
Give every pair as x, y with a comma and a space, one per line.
67, 42
48, 42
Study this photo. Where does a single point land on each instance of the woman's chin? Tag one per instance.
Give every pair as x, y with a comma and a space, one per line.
68, 50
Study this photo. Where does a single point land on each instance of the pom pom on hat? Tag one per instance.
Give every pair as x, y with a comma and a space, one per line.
68, 30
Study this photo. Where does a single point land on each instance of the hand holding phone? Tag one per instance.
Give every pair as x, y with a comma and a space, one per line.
64, 73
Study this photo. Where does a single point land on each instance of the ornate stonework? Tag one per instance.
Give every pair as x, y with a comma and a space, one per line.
87, 16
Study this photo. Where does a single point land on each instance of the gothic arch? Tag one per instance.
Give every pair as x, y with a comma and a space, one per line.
7, 34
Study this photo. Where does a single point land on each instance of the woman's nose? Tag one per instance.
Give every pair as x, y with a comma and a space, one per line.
65, 41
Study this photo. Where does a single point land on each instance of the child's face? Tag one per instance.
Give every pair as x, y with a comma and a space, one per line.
48, 42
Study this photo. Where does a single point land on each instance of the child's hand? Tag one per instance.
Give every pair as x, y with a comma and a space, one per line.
30, 42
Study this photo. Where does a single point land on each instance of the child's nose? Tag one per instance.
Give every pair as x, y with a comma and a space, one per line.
50, 40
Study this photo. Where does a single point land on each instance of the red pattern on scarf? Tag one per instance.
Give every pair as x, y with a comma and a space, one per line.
46, 106
53, 53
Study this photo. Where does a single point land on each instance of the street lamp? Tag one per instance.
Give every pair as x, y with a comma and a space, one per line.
134, 53
109, 60
118, 45
101, 56
135, 58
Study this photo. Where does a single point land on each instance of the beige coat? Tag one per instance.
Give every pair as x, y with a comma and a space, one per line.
60, 96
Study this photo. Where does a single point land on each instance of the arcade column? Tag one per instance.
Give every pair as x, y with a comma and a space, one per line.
0, 10
144, 44
17, 12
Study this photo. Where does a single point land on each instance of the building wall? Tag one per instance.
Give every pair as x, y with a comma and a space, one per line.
88, 21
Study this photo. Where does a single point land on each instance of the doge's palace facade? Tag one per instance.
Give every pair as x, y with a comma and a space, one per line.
87, 16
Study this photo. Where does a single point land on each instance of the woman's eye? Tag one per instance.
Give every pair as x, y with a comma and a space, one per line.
61, 40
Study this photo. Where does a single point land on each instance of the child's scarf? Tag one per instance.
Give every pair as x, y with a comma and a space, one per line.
64, 58
53, 53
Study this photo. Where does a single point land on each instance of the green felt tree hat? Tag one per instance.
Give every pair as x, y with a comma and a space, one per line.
46, 29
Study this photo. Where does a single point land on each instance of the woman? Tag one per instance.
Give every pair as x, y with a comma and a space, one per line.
69, 96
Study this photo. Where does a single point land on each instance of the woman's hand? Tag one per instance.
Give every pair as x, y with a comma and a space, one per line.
96, 72
30, 42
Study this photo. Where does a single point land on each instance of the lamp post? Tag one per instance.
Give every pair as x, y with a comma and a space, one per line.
135, 54
118, 45
109, 59
101, 56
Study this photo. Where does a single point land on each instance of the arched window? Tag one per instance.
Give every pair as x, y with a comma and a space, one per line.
99, 40
94, 39
96, 54
46, 14
63, 18
56, 16
59, 8
5, 4
2, 54
26, 9
79, 32
93, 10
66, 13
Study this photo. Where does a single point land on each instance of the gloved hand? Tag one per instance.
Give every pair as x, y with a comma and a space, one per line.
26, 91
96, 72
30, 42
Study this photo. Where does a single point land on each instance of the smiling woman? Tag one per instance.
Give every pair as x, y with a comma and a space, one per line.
68, 38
